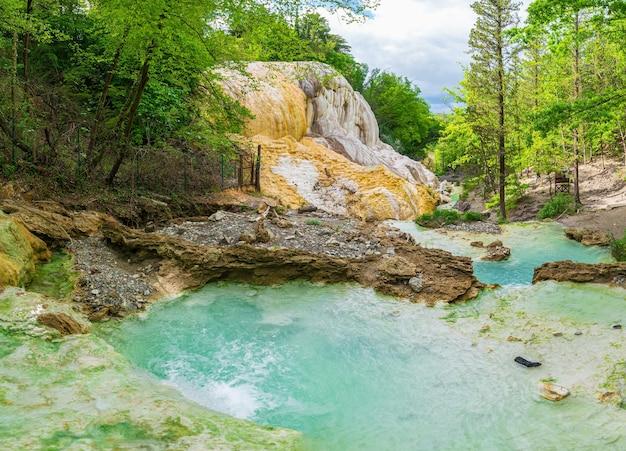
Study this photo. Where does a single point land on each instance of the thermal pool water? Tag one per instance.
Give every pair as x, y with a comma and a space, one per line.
353, 370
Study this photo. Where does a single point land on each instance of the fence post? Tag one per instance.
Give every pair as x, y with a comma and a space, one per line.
240, 170
257, 184
222, 171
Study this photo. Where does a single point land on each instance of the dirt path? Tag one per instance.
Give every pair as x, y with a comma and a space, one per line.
602, 192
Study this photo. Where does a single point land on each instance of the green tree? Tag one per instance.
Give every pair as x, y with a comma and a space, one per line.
403, 115
491, 49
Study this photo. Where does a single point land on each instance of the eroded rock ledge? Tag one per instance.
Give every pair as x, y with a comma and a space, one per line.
569, 271
435, 275
124, 269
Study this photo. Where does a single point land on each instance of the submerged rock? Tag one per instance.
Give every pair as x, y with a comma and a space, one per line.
569, 271
589, 237
553, 392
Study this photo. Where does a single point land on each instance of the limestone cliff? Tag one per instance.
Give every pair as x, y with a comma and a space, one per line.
321, 144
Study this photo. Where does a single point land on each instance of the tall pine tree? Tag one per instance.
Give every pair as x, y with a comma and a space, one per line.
491, 50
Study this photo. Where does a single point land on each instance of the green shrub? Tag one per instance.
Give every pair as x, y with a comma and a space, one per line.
445, 217
472, 216
560, 204
618, 249
313, 222
514, 191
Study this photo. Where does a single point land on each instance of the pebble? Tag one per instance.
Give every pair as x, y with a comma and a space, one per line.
617, 326
578, 333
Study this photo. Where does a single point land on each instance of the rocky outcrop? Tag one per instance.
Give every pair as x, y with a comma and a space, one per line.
588, 237
496, 252
20, 251
52, 221
321, 144
569, 271
444, 277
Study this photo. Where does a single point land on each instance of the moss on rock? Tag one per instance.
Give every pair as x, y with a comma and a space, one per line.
20, 251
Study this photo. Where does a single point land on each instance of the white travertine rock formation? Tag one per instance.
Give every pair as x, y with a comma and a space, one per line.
311, 104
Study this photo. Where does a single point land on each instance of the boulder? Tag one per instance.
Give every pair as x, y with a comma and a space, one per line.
416, 283
589, 237
218, 216
463, 206
497, 253
553, 392
53, 222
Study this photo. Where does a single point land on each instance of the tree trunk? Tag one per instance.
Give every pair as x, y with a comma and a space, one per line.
14, 101
501, 120
132, 114
26, 50
623, 138
103, 98
577, 92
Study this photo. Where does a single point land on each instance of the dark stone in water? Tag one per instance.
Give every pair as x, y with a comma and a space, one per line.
527, 363
617, 326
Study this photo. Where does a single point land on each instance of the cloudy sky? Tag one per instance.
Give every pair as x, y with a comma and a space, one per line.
424, 40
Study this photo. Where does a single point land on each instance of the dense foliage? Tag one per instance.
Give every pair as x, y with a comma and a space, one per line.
564, 93
441, 217
557, 206
618, 248
118, 90
403, 115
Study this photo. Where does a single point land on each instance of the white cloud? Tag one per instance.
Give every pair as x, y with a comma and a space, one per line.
424, 40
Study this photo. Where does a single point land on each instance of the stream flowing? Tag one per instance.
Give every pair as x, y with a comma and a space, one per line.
354, 370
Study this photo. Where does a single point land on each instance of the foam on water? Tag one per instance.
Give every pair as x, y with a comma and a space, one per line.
356, 371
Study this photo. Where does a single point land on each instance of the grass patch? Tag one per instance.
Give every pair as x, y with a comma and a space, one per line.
618, 248
560, 204
313, 222
445, 217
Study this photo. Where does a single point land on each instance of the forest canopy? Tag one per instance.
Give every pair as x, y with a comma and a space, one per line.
562, 99
109, 90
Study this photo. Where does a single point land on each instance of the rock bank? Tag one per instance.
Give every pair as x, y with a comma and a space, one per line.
444, 277
568, 271
588, 237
